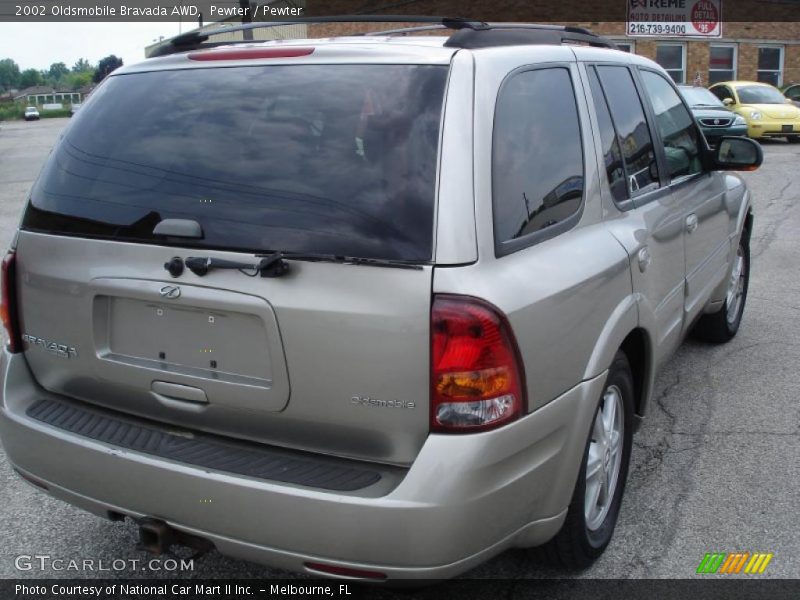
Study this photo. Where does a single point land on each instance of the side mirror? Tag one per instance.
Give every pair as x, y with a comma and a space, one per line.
728, 101
738, 154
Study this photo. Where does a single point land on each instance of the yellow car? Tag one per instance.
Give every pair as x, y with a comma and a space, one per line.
768, 112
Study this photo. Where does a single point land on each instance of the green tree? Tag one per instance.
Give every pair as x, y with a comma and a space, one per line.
82, 66
57, 71
29, 78
75, 81
9, 74
105, 66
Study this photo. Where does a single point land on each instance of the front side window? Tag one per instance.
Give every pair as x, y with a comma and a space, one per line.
537, 154
793, 93
722, 92
634, 134
672, 58
676, 126
721, 64
770, 65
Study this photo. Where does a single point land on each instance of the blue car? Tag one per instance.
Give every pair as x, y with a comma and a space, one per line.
714, 118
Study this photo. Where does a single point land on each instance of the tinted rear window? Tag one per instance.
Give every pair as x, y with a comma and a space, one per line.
334, 159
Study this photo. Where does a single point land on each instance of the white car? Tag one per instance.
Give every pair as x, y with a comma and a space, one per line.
31, 113
74, 108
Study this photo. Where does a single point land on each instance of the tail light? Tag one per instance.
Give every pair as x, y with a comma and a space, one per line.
477, 377
8, 308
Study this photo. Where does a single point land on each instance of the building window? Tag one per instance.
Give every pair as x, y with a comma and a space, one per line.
625, 46
722, 63
770, 64
673, 58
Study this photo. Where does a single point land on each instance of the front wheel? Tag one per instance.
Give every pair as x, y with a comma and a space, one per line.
722, 326
593, 511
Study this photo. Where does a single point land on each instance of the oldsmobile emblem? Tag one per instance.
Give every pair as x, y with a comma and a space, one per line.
716, 121
376, 403
170, 291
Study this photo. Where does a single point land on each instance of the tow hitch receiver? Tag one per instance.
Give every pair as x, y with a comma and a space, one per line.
156, 537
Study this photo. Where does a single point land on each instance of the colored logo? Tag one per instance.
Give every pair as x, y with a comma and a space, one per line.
734, 563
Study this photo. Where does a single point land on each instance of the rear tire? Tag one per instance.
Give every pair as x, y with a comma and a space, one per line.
722, 326
593, 511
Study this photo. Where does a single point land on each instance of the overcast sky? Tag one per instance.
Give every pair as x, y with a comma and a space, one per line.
38, 45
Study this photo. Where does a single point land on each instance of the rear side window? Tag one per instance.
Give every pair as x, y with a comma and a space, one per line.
676, 126
334, 159
634, 134
537, 155
612, 154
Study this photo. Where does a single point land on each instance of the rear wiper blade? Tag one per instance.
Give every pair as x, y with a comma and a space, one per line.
269, 266
275, 264
348, 260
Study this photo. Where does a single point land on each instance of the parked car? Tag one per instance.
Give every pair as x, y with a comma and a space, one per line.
792, 92
74, 108
763, 107
367, 308
715, 119
31, 113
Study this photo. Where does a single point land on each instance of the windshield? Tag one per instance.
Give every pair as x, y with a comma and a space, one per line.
333, 159
697, 96
759, 94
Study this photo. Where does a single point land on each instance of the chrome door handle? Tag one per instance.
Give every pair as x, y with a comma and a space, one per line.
691, 223
644, 259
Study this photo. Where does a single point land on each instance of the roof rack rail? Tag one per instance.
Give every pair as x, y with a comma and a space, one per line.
514, 34
194, 40
468, 33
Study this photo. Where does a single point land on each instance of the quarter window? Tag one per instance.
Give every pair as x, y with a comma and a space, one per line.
672, 57
676, 126
631, 125
537, 154
770, 65
721, 64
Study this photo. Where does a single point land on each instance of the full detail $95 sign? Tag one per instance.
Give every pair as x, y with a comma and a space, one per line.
675, 18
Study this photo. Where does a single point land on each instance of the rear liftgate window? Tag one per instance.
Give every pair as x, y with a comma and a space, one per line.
334, 159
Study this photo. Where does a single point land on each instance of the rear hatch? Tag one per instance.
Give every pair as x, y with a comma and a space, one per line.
327, 164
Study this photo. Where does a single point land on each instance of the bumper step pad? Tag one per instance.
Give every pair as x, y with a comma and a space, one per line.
204, 450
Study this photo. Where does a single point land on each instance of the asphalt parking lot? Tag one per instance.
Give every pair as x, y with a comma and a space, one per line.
716, 466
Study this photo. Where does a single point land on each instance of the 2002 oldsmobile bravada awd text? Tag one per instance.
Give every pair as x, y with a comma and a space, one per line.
393, 303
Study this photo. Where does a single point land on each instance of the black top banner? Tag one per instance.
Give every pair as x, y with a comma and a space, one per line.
542, 11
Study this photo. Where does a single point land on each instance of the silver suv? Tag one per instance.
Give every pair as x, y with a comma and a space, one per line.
368, 307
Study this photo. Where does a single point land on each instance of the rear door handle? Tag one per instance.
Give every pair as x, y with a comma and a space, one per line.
691, 223
183, 397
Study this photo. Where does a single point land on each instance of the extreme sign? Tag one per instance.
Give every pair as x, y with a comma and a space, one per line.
675, 18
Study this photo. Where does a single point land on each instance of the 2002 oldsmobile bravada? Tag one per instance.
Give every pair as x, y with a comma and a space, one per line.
394, 304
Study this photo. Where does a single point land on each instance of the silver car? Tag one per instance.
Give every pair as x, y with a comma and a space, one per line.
376, 307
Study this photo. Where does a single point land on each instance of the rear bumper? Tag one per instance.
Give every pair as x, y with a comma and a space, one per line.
465, 498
